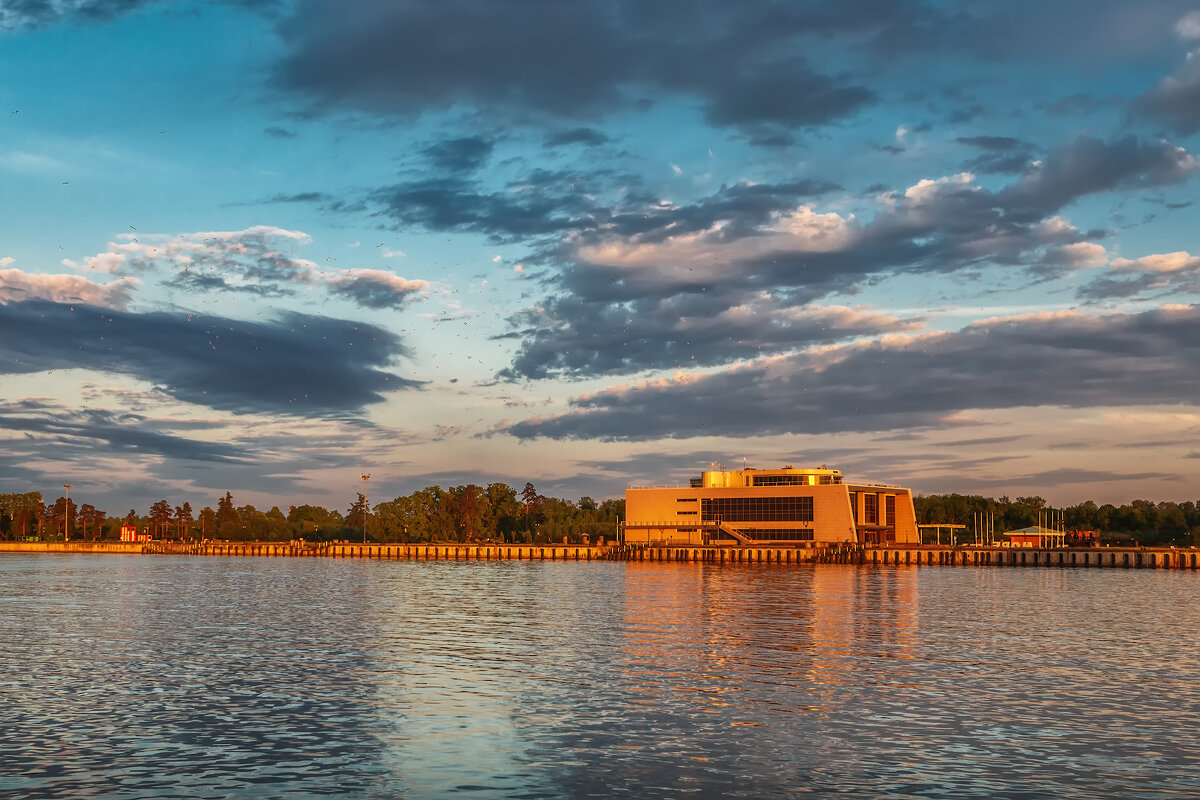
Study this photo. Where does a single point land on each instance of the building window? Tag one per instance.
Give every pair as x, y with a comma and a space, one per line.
870, 509
686, 513
889, 505
781, 480
769, 534
757, 509
685, 499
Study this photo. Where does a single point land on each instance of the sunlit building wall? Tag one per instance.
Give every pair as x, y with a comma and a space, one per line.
801, 507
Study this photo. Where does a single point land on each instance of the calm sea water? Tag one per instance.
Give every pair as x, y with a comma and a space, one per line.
139, 677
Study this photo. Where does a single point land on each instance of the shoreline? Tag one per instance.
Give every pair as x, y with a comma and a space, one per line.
880, 555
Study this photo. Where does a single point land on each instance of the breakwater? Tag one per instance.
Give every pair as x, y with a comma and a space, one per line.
922, 555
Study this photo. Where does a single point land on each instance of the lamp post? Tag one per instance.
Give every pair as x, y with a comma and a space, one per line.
366, 476
67, 514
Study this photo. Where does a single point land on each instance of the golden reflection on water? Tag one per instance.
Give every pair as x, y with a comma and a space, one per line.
721, 634
132, 678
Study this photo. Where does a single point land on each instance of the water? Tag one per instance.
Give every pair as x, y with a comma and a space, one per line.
142, 677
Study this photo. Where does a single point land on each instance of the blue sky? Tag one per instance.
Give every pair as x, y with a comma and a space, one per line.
265, 247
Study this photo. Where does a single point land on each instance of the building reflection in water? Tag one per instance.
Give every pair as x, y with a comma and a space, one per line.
741, 634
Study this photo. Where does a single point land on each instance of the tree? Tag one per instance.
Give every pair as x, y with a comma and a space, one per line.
505, 510
183, 518
469, 506
208, 522
356, 515
160, 517
532, 500
91, 517
229, 522
314, 522
22, 508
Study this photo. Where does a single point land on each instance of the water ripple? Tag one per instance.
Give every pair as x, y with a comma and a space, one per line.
129, 677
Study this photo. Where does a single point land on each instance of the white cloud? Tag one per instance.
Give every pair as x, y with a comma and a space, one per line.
676, 169
17, 285
801, 230
4, 262
387, 252
1082, 254
497, 259
1178, 261
1188, 27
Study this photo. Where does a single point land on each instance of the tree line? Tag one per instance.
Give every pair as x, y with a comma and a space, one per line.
495, 512
1140, 522
498, 512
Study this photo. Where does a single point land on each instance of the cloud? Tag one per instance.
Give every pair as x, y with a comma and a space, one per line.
119, 432
1175, 100
16, 285
465, 154
1066, 360
688, 331
372, 288
588, 137
1188, 26
546, 60
1162, 274
251, 261
1001, 154
297, 364
1087, 166
43, 13
622, 269
541, 204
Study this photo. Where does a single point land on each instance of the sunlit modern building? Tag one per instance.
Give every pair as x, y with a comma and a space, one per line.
787, 506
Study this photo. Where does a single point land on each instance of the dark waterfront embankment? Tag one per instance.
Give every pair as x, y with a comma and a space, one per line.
913, 555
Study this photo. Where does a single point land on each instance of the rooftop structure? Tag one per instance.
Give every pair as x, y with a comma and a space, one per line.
785, 506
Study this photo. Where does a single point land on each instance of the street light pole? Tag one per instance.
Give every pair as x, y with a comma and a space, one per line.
67, 514
366, 476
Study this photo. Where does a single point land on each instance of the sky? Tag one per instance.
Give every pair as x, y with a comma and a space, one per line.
267, 247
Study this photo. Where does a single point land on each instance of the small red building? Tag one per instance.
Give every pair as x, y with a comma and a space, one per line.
129, 534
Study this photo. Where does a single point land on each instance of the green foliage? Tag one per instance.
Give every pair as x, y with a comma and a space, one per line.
19, 513
1138, 522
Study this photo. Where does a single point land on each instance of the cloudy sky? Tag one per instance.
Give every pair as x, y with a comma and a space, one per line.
266, 246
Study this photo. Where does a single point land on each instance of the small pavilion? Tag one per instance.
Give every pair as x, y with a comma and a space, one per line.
1036, 536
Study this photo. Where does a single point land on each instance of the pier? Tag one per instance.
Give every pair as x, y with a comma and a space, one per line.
883, 556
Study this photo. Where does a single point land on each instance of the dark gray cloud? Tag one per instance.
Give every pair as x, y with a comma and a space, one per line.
963, 482
1066, 361
375, 288
588, 137
1175, 100
1001, 154
464, 154
627, 285
42, 13
746, 66
1087, 166
542, 203
297, 364
119, 432
688, 330
279, 133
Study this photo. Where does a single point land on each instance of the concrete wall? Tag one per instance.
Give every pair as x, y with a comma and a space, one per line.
72, 547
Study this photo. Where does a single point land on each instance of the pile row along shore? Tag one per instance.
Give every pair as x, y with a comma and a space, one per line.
900, 555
